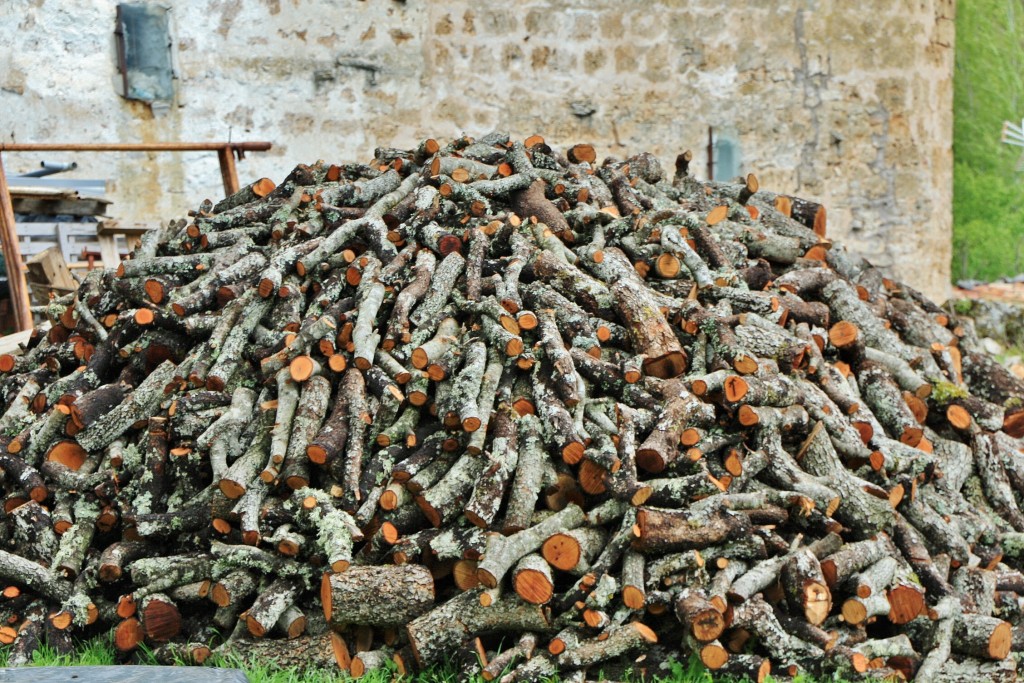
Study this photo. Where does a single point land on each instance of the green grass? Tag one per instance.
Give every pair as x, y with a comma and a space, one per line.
100, 651
988, 186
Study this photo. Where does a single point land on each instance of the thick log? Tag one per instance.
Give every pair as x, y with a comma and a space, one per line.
502, 552
620, 640
683, 411
649, 332
307, 653
703, 621
444, 627
981, 636
805, 587
669, 530
377, 596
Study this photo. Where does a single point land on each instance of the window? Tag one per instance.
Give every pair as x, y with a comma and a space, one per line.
144, 52
726, 156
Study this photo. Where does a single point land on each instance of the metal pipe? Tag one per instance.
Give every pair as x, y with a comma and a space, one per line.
50, 168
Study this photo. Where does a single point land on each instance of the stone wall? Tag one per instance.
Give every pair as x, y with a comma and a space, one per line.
846, 102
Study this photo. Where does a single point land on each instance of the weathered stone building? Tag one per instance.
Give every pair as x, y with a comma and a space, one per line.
846, 102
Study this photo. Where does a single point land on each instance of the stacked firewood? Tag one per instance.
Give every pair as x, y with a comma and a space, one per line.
526, 412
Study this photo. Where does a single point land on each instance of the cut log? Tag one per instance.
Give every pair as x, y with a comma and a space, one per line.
377, 596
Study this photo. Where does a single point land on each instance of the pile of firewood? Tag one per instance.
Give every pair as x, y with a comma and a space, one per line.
526, 412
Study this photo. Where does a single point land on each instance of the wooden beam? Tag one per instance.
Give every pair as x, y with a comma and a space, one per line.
12, 256
134, 147
55, 207
12, 342
228, 172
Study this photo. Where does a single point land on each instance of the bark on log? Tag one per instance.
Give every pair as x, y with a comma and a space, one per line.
377, 596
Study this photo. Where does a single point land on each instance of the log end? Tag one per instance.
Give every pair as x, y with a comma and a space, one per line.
325, 596
341, 651
533, 586
633, 597
650, 460
154, 290
744, 364
486, 578
817, 602
958, 416
572, 452
1013, 424
1001, 641
843, 334
854, 612
464, 573
231, 489
161, 620
419, 358
713, 656
128, 635
906, 602
646, 632
912, 436
735, 388
255, 628
717, 215
582, 153
666, 366
67, 453
748, 416
562, 551
301, 368
317, 454
296, 482
592, 477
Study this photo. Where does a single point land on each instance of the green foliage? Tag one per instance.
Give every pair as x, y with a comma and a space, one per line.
689, 672
944, 392
988, 189
962, 306
100, 651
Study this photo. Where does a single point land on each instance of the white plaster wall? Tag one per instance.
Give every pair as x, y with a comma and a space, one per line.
849, 103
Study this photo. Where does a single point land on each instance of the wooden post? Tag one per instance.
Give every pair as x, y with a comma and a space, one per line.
12, 256
228, 172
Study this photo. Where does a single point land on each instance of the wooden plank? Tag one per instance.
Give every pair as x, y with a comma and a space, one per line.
108, 251
85, 187
63, 207
35, 247
78, 229
48, 229
127, 228
12, 343
36, 192
121, 674
9, 244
